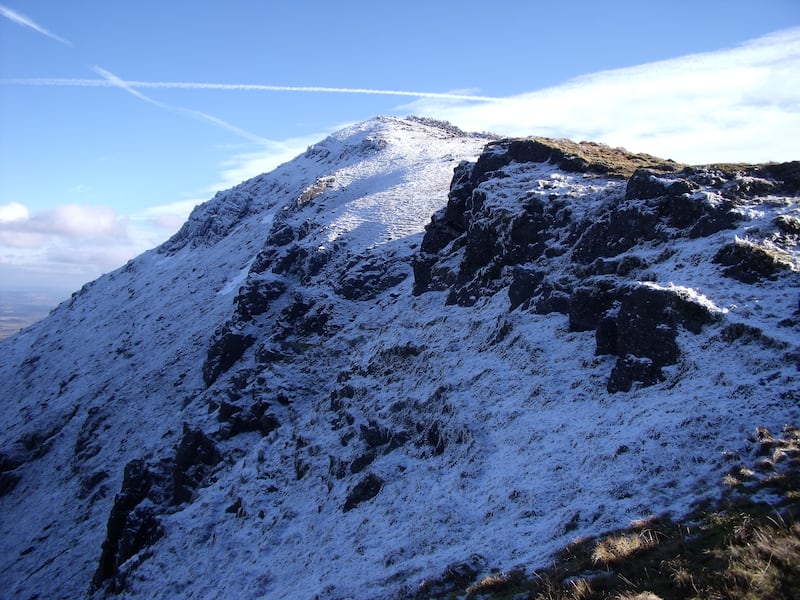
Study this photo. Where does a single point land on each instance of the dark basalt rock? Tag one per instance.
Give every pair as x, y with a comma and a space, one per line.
749, 262
633, 368
366, 279
363, 461
620, 230
642, 332
589, 303
374, 434
551, 298
786, 176
195, 456
10, 461
452, 217
480, 249
435, 438
236, 419
607, 334
644, 184
225, 350
256, 296
524, 285
8, 481
148, 490
788, 224
303, 317
423, 277
647, 326
366, 489
130, 527
211, 221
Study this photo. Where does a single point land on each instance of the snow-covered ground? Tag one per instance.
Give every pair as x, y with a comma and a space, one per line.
491, 431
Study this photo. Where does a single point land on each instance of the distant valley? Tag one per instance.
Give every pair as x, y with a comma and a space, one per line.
18, 309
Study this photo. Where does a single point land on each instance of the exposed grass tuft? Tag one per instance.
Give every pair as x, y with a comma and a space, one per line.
740, 548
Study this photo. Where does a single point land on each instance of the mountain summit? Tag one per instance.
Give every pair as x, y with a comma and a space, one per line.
408, 348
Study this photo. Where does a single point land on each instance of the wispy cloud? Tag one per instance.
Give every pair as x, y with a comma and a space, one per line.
21, 19
732, 105
245, 87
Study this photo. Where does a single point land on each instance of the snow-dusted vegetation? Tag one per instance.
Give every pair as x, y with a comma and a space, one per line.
401, 351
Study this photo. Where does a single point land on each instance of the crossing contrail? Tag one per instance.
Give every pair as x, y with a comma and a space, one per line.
73, 82
113, 81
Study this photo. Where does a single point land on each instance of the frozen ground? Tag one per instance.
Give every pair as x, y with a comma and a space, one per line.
496, 435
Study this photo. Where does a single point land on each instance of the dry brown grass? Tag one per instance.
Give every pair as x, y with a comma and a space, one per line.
739, 549
615, 162
496, 584
617, 548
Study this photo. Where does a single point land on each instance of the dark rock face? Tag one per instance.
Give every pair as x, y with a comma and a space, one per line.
8, 481
588, 303
620, 230
256, 296
643, 333
524, 284
632, 368
236, 419
749, 262
194, 458
148, 490
227, 348
592, 268
8, 477
211, 221
365, 279
366, 489
644, 185
130, 527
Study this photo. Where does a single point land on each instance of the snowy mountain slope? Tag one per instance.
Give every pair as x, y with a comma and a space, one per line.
301, 395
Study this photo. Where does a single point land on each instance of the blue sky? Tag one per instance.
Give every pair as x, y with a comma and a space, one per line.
94, 169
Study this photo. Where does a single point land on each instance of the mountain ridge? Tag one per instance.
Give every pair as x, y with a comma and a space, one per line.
316, 377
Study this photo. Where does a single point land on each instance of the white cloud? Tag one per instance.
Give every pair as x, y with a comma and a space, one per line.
78, 221
269, 155
68, 243
20, 229
734, 105
13, 211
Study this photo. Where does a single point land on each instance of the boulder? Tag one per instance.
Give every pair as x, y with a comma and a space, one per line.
366, 489
749, 262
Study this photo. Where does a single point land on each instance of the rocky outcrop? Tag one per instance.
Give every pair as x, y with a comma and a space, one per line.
642, 332
366, 489
227, 348
575, 309
750, 262
148, 490
590, 259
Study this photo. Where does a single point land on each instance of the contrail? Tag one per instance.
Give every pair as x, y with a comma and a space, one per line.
28, 22
131, 85
113, 81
